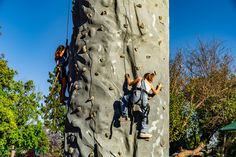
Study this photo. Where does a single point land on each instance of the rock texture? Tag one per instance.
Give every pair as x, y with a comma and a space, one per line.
111, 38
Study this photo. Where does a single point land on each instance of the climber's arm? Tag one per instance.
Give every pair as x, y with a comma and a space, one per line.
132, 82
157, 89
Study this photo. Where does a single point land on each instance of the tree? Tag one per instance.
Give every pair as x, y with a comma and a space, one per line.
207, 84
54, 116
19, 115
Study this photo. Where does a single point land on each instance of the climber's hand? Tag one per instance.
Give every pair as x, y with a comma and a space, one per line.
127, 76
159, 86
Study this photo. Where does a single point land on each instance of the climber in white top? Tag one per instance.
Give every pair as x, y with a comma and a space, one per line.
142, 89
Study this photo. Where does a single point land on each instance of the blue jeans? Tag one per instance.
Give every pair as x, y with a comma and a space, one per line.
124, 105
144, 126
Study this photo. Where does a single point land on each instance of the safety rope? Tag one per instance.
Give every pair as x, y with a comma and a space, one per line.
67, 21
128, 21
54, 84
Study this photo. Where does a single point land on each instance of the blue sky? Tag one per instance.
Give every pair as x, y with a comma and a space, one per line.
31, 31
191, 20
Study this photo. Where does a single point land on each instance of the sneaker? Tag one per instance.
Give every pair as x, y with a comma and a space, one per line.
124, 118
145, 135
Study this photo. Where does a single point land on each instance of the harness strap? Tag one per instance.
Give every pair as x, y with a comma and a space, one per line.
142, 89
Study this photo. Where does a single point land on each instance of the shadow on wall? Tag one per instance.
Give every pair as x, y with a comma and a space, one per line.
134, 116
79, 17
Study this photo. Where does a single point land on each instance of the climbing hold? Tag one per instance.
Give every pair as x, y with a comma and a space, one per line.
84, 32
101, 60
141, 25
161, 19
159, 42
138, 68
89, 15
139, 5
84, 69
84, 49
92, 32
101, 28
71, 150
91, 98
91, 154
164, 58
122, 56
136, 49
163, 108
148, 56
77, 87
162, 143
156, 5
126, 25
96, 73
92, 114
79, 109
119, 153
106, 135
110, 88
103, 13
76, 67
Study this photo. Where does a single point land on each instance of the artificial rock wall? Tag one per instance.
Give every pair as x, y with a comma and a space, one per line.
111, 38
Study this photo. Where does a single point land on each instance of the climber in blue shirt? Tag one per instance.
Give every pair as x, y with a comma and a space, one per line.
61, 58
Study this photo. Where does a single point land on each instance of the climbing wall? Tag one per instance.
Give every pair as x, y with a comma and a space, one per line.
111, 38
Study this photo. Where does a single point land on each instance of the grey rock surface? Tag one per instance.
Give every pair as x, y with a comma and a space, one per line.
111, 38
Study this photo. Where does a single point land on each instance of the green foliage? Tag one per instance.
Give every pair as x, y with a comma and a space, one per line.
53, 111
230, 145
176, 117
19, 103
202, 94
54, 116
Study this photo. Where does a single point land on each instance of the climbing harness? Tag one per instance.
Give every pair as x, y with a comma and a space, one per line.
138, 94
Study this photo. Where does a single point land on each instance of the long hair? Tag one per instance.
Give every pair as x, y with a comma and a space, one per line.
59, 51
149, 76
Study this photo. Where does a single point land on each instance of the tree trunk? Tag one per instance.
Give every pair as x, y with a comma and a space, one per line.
13, 151
186, 153
111, 38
